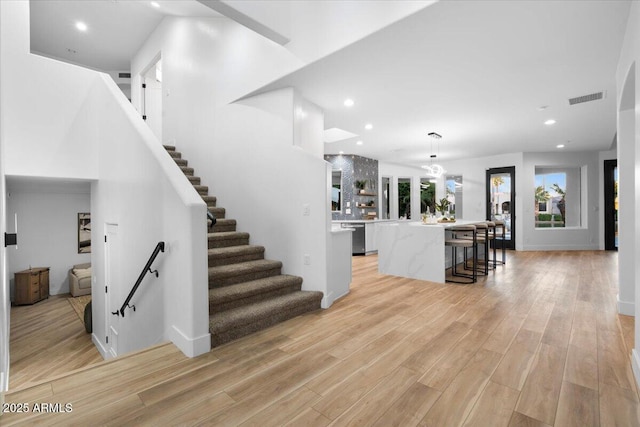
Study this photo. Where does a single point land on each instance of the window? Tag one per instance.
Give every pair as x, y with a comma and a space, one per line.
404, 198
427, 196
385, 197
454, 194
558, 197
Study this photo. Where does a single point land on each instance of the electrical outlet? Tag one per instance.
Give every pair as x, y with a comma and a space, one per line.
307, 259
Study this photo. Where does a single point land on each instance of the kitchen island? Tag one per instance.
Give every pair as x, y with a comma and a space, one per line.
415, 250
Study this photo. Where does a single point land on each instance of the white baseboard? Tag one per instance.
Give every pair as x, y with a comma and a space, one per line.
328, 300
635, 365
191, 347
628, 308
591, 247
103, 351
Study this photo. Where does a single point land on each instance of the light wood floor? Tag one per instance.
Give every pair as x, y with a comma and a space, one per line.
536, 343
47, 339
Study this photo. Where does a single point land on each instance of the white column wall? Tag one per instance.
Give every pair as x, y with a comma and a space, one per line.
627, 96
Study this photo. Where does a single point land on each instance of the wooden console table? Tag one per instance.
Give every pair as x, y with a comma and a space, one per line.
32, 285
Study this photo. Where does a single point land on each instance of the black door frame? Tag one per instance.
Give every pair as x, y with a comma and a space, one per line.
609, 205
510, 244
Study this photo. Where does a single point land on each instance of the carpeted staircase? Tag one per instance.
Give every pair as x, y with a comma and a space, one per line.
247, 293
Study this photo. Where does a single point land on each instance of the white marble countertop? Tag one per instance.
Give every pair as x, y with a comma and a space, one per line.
365, 221
415, 250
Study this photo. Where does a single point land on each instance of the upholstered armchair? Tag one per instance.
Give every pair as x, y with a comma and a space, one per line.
80, 279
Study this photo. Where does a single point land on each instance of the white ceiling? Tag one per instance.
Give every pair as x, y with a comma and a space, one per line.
475, 72
117, 28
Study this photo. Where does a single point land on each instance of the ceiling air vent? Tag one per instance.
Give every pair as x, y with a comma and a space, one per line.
124, 75
587, 98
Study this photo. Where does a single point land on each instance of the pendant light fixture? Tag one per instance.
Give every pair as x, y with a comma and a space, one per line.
433, 169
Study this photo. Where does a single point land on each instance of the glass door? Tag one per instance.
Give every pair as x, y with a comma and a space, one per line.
611, 205
501, 200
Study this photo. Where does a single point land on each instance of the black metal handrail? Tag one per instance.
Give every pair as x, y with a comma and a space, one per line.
147, 269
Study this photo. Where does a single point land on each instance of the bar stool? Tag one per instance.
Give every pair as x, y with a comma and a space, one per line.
482, 239
463, 236
499, 234
491, 236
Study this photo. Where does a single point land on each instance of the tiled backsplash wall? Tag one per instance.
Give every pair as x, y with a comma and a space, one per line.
355, 168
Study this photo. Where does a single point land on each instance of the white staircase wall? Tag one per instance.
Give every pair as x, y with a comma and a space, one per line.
278, 190
62, 121
262, 162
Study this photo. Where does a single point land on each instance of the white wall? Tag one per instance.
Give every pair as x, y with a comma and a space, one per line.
206, 63
142, 190
394, 171
48, 224
96, 134
584, 237
238, 150
4, 282
473, 172
41, 138
627, 96
265, 181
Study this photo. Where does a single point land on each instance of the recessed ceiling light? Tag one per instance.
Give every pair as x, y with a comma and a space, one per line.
550, 122
81, 26
348, 102
359, 143
368, 126
155, 4
560, 146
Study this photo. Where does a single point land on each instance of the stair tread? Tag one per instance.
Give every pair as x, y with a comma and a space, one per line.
253, 287
230, 270
224, 235
251, 313
235, 250
170, 147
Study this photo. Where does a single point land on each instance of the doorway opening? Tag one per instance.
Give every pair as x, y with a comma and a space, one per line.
151, 79
611, 205
501, 200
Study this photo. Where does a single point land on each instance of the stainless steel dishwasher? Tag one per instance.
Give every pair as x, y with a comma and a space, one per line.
357, 238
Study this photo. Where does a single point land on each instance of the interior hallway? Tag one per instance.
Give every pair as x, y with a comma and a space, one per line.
538, 342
